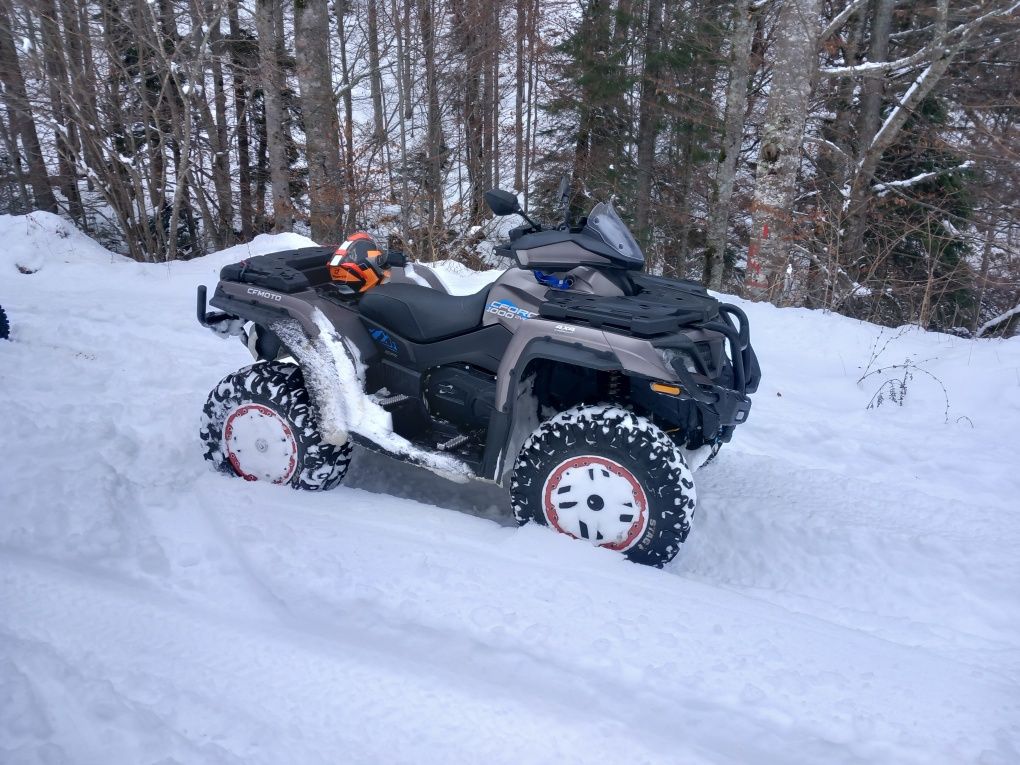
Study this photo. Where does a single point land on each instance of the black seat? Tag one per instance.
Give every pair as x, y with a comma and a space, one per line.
423, 314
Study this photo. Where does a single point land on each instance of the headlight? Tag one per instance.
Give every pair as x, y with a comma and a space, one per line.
674, 357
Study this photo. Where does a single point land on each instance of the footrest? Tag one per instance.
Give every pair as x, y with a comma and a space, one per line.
390, 400
453, 443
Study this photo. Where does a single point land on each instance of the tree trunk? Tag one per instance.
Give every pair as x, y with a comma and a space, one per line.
405, 60
494, 44
56, 74
885, 136
531, 110
467, 36
772, 229
834, 156
261, 168
649, 113
519, 81
375, 72
590, 157
741, 36
435, 144
272, 97
239, 75
352, 197
872, 90
21, 112
405, 237
17, 170
322, 129
221, 145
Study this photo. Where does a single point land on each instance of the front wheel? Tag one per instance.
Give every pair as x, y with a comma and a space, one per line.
259, 424
606, 475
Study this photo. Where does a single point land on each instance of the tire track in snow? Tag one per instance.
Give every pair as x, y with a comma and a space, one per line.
349, 693
448, 575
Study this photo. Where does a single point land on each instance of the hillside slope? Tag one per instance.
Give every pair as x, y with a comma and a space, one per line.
849, 591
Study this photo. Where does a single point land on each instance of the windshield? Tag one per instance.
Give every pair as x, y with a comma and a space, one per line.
614, 232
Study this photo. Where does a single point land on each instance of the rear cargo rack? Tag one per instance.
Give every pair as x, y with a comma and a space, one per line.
288, 272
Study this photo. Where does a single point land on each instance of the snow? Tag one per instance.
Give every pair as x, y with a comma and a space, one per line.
904, 99
848, 593
997, 320
335, 374
884, 188
461, 280
863, 68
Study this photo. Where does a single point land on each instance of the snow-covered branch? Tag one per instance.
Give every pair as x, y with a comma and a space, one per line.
840, 19
884, 188
827, 144
993, 323
881, 68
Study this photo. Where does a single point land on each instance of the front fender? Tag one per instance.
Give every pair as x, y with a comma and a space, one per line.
579, 345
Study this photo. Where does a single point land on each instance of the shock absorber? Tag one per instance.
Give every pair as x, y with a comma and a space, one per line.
614, 385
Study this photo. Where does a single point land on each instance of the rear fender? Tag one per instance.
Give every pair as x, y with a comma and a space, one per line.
264, 306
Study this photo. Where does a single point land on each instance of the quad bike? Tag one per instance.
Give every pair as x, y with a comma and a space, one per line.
581, 383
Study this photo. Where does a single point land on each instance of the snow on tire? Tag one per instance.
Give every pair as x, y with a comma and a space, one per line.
259, 424
607, 475
5, 326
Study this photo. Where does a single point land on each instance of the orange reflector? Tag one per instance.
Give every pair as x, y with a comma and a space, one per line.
672, 390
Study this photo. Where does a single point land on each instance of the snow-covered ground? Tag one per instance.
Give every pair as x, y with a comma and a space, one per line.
850, 591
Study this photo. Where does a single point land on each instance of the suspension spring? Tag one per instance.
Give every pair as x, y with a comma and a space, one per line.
614, 385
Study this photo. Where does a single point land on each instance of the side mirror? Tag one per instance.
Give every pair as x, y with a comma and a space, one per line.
563, 194
502, 202
564, 198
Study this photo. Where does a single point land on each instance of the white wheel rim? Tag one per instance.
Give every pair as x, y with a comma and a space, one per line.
597, 499
260, 445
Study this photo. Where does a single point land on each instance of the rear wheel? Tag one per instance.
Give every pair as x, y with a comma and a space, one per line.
5, 327
259, 424
608, 476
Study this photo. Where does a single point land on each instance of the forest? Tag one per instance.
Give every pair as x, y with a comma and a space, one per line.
855, 155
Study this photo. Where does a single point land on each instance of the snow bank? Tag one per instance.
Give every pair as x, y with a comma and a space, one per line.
32, 242
848, 593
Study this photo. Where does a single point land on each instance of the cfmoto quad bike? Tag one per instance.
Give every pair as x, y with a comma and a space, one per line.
584, 385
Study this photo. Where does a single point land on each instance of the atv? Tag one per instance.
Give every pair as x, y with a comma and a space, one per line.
586, 386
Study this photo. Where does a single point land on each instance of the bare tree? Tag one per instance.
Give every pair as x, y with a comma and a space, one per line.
242, 68
742, 21
772, 229
23, 121
649, 113
272, 97
322, 129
